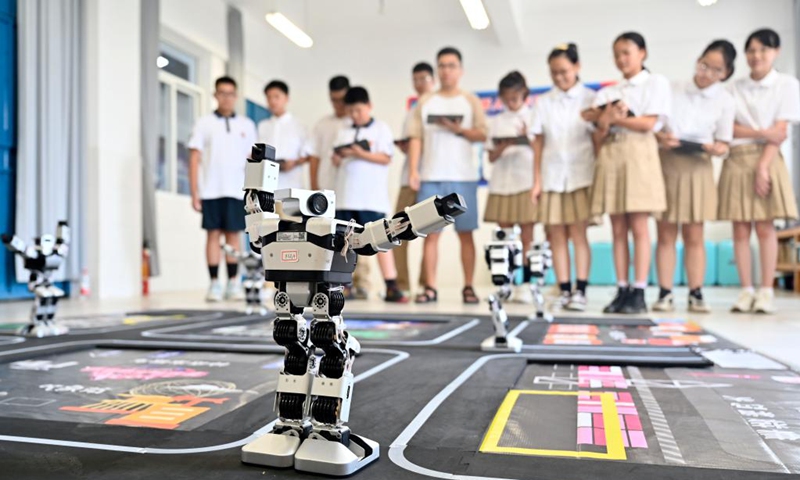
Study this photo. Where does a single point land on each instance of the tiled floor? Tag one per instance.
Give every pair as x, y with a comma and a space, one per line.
777, 335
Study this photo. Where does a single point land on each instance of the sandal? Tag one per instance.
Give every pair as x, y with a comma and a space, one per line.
468, 294
428, 295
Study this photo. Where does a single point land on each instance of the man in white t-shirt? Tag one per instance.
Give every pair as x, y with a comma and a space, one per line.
422, 77
441, 161
218, 151
320, 145
284, 132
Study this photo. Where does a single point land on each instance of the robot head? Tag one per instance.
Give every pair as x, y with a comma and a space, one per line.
506, 234
296, 202
46, 244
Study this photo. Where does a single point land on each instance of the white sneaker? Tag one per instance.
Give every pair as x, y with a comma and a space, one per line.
234, 291
214, 292
763, 301
561, 302
665, 304
522, 294
577, 302
744, 303
698, 305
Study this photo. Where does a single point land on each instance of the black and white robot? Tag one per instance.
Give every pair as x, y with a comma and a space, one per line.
253, 283
504, 256
42, 260
311, 256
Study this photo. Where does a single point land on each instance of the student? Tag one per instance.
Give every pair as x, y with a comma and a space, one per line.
627, 184
422, 76
219, 147
448, 164
564, 155
363, 180
754, 186
283, 131
320, 146
702, 112
512, 177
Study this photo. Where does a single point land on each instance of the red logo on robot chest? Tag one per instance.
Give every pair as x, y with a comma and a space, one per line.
289, 256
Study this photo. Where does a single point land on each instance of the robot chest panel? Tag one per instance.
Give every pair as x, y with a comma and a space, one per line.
297, 256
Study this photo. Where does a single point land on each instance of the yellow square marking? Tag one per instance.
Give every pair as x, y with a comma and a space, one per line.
615, 449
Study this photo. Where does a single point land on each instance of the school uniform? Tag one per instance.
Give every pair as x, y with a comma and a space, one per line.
512, 173
224, 144
626, 177
700, 116
320, 145
567, 156
759, 104
289, 137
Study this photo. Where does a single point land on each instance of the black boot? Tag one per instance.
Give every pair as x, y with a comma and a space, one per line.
635, 302
619, 301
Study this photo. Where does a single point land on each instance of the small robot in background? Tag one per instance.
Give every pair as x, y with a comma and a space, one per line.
504, 256
253, 282
311, 256
42, 259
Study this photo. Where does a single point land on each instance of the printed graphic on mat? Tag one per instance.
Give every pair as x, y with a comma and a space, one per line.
367, 329
164, 389
100, 321
667, 333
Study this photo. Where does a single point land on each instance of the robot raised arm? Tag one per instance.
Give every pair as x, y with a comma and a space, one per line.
260, 183
229, 251
17, 245
62, 239
415, 221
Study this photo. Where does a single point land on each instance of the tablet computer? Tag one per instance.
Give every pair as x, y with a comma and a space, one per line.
518, 140
433, 119
361, 143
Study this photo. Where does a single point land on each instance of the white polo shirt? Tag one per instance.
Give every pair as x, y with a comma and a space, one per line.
224, 144
645, 94
363, 185
759, 104
446, 157
289, 137
512, 172
568, 153
701, 115
321, 145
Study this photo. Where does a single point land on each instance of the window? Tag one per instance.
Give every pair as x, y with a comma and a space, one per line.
180, 102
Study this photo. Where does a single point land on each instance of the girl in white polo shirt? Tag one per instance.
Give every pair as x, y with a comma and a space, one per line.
512, 169
754, 186
564, 170
701, 125
626, 184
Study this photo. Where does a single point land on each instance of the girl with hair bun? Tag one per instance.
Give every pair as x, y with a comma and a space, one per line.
754, 186
626, 185
701, 125
564, 162
512, 168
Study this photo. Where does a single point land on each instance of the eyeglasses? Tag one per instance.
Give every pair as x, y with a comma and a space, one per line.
447, 66
703, 67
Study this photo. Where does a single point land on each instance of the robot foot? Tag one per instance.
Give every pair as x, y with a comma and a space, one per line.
318, 455
541, 317
272, 450
48, 328
508, 344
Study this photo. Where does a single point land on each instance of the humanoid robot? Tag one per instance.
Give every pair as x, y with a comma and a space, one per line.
311, 256
42, 259
504, 257
253, 278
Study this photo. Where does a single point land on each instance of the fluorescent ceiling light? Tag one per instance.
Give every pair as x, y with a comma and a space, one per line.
476, 13
162, 61
289, 29
706, 3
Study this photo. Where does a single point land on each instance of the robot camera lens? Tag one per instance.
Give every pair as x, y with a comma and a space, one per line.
318, 204
501, 235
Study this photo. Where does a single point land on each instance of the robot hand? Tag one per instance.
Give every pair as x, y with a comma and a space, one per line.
16, 245
62, 238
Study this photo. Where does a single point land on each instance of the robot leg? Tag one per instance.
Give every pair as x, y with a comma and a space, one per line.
292, 400
502, 340
331, 448
541, 314
252, 295
42, 319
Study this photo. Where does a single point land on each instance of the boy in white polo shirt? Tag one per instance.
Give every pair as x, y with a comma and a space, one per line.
320, 145
362, 183
218, 150
289, 137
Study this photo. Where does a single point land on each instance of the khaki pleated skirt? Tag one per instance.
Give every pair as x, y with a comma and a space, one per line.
691, 191
516, 208
627, 176
564, 208
738, 200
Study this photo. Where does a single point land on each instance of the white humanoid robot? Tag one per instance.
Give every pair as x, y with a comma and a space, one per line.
504, 258
311, 256
253, 283
42, 259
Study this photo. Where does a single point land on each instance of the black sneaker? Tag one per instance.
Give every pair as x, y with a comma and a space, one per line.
634, 303
619, 301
